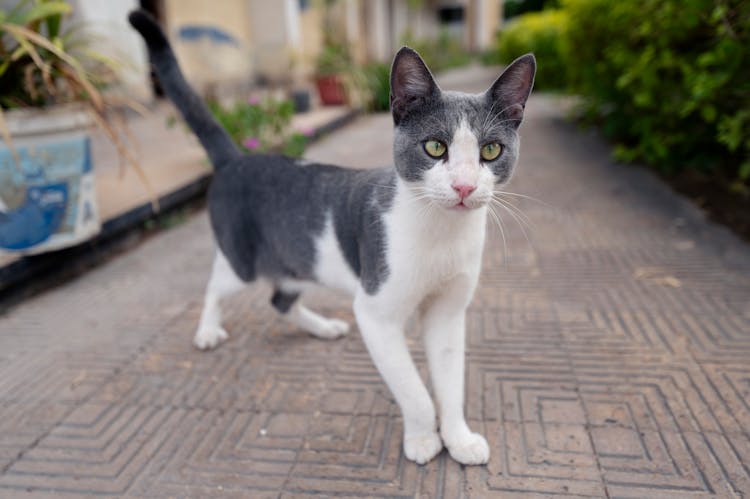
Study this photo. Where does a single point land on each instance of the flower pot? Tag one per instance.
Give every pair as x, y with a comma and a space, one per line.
301, 100
47, 197
331, 90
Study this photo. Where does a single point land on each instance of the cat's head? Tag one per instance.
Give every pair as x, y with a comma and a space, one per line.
454, 148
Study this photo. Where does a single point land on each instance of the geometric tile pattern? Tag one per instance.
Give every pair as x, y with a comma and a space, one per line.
607, 357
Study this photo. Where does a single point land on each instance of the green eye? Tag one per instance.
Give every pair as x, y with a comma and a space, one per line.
491, 151
434, 148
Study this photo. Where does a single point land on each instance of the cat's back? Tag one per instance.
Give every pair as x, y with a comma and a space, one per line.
268, 212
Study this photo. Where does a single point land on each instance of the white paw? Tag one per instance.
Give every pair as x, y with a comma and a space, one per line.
470, 449
422, 448
331, 329
209, 337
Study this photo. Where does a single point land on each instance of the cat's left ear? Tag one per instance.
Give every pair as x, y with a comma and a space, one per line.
511, 90
412, 83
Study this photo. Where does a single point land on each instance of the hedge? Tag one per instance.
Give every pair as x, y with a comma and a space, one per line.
541, 33
669, 80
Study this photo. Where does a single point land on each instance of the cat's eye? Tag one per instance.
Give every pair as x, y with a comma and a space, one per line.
491, 151
435, 148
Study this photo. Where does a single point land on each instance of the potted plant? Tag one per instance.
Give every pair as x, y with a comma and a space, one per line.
50, 94
333, 61
262, 125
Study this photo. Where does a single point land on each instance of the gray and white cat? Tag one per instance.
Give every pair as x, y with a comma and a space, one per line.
401, 240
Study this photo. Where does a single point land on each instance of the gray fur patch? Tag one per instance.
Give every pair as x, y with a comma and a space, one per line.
266, 212
282, 301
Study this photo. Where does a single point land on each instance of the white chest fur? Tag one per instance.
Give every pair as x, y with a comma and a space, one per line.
427, 246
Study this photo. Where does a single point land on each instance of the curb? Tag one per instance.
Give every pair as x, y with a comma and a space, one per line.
32, 274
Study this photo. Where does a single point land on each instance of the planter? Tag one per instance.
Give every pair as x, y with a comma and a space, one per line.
331, 90
301, 100
47, 200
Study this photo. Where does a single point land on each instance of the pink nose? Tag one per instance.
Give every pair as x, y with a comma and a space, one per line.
464, 190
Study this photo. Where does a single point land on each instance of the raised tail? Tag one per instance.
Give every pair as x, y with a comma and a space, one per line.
217, 142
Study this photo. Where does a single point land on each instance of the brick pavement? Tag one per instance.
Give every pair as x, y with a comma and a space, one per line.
607, 357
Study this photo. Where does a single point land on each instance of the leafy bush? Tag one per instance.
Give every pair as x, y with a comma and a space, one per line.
669, 79
262, 125
377, 81
542, 34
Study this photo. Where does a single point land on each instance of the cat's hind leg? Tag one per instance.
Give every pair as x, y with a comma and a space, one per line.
222, 283
288, 304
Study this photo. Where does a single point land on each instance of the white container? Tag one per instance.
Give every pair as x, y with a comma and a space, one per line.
48, 201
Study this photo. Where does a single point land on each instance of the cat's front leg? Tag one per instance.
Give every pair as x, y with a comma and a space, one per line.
444, 324
383, 333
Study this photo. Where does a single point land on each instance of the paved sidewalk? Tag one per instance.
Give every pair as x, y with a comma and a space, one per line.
608, 356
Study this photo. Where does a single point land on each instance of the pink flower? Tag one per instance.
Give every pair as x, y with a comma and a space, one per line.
254, 100
251, 143
307, 132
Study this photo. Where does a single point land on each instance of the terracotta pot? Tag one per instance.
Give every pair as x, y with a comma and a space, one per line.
47, 198
331, 90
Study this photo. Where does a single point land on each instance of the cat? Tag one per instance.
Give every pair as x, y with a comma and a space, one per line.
400, 240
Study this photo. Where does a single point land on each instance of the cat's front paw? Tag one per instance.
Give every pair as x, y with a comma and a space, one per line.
471, 448
209, 337
422, 448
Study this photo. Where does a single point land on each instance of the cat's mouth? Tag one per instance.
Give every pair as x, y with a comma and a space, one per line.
462, 205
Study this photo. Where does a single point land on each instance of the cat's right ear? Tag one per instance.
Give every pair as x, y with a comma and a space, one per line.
412, 83
513, 87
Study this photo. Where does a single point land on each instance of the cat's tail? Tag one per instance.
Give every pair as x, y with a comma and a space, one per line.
217, 142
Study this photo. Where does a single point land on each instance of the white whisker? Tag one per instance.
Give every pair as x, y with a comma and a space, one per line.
518, 211
524, 196
518, 221
499, 223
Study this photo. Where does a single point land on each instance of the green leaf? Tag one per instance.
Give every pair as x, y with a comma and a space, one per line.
744, 170
708, 113
16, 10
43, 11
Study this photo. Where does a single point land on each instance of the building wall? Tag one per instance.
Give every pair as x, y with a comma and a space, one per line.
488, 16
109, 22
311, 42
207, 63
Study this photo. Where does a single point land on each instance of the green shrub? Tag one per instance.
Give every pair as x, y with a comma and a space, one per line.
542, 34
513, 8
262, 125
669, 80
377, 77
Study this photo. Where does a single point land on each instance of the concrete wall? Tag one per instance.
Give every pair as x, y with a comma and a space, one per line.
108, 22
205, 62
271, 37
311, 20
486, 18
